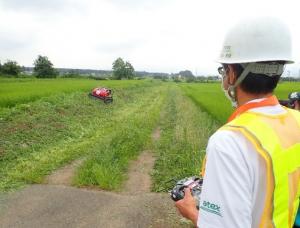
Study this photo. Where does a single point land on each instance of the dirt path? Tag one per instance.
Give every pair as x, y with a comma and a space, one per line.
64, 175
56, 204
139, 179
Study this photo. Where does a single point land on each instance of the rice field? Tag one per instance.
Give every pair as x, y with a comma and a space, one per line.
210, 97
18, 91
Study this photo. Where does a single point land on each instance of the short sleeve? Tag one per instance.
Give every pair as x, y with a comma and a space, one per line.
226, 192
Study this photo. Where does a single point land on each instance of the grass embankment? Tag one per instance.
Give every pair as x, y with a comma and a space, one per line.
17, 91
41, 136
185, 130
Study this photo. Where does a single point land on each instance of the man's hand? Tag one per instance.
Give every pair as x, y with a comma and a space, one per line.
187, 206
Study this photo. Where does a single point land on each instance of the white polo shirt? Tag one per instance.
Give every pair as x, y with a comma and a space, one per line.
234, 184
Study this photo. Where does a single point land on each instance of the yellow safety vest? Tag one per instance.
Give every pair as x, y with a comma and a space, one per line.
277, 140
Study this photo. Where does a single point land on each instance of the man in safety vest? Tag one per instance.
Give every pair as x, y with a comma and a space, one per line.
252, 168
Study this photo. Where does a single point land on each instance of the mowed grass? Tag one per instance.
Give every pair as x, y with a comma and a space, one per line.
210, 97
39, 137
17, 91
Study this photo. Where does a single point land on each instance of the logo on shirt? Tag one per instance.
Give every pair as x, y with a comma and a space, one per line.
211, 208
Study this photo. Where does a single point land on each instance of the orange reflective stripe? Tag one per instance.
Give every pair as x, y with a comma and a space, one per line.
294, 188
266, 218
203, 166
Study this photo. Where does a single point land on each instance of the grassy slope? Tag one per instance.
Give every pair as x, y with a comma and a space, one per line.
41, 136
107, 166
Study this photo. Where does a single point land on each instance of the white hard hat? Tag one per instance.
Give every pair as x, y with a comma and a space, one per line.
257, 40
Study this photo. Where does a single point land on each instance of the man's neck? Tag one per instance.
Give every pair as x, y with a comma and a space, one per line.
243, 97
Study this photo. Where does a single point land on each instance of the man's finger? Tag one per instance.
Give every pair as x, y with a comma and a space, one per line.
187, 192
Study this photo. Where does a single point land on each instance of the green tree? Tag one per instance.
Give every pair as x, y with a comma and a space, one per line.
186, 73
43, 68
129, 70
11, 68
122, 69
118, 68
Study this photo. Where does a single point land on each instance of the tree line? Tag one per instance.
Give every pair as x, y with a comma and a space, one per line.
43, 68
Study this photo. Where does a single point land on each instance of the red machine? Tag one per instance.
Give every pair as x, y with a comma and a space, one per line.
103, 94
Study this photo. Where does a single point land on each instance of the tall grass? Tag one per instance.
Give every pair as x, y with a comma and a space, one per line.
185, 130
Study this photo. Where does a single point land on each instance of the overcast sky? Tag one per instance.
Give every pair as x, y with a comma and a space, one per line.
154, 35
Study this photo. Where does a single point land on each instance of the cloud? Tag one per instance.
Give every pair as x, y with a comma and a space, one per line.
169, 35
139, 4
13, 44
36, 5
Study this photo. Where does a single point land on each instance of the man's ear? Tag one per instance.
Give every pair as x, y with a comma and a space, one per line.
231, 75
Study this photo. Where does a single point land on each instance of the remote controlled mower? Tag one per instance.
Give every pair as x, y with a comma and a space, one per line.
102, 94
